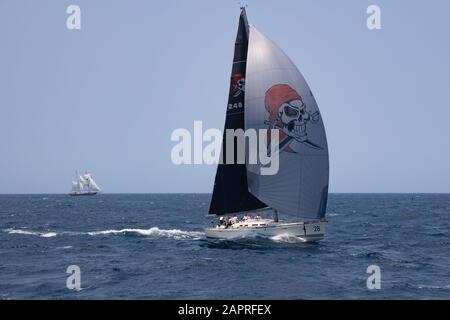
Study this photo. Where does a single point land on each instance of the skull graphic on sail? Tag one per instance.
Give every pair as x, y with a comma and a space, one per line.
237, 84
289, 114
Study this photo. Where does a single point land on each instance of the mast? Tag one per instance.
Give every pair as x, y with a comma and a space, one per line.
88, 181
244, 19
230, 193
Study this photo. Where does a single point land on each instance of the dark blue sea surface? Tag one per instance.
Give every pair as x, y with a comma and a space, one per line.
153, 247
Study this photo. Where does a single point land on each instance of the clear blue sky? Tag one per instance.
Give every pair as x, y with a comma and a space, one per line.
107, 97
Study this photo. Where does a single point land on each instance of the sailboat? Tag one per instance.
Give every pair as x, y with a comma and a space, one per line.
267, 91
84, 185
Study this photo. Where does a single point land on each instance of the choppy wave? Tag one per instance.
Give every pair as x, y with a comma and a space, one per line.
32, 233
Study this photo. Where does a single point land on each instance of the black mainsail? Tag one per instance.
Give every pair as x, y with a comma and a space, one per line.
230, 194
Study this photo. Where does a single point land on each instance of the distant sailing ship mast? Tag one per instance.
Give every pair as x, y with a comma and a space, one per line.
84, 185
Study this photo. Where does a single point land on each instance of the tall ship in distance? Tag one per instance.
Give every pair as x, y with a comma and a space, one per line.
84, 185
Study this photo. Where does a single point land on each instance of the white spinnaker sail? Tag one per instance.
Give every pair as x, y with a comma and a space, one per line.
277, 96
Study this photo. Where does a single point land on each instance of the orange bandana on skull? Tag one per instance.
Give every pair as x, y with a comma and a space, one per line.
276, 96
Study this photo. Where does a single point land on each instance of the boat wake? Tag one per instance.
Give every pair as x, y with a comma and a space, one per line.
152, 232
287, 238
32, 233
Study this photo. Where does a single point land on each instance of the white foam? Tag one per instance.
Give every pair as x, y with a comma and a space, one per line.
48, 234
287, 238
447, 287
65, 247
154, 232
14, 231
32, 233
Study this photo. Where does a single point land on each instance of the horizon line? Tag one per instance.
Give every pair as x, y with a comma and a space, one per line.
143, 193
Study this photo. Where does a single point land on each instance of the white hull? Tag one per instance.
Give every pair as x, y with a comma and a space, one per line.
306, 231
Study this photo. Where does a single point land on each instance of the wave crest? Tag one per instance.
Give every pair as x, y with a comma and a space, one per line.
424, 286
32, 233
154, 232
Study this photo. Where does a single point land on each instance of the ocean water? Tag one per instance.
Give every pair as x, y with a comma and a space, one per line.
153, 247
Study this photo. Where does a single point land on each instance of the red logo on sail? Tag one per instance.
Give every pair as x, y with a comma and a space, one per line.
288, 113
237, 84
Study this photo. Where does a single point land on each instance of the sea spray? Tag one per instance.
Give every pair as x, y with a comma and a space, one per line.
152, 232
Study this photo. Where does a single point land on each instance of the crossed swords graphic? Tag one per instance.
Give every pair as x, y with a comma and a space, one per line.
287, 140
